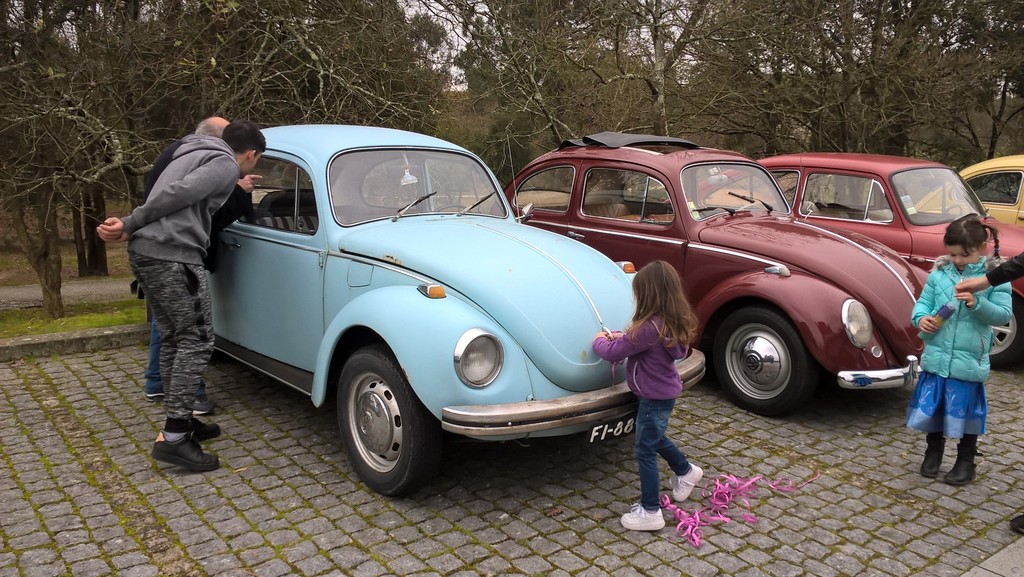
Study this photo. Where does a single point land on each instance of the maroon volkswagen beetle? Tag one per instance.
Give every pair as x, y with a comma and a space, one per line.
904, 203
780, 302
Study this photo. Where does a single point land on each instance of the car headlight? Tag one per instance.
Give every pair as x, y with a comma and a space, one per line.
478, 358
857, 323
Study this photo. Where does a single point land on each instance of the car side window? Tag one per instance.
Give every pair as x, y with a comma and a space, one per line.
626, 195
788, 181
997, 187
284, 199
846, 197
547, 190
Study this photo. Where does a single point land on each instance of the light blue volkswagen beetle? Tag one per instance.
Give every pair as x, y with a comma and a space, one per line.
384, 269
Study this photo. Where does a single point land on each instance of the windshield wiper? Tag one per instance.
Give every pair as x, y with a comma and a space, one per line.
476, 204
401, 211
752, 200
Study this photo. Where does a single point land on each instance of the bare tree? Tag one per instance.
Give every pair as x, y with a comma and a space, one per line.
93, 90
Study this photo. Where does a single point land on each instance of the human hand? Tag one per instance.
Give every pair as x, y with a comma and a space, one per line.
928, 324
971, 285
248, 182
112, 229
967, 298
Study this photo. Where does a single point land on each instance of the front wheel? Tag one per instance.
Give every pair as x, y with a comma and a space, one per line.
762, 362
393, 442
1007, 344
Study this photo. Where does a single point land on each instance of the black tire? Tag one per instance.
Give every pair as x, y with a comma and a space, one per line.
762, 363
1007, 343
392, 441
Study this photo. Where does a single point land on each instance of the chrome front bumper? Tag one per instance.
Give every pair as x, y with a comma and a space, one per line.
883, 379
566, 415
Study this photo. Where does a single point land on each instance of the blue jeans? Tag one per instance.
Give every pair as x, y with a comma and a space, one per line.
651, 423
153, 384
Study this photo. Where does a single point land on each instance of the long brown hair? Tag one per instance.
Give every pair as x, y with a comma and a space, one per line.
658, 291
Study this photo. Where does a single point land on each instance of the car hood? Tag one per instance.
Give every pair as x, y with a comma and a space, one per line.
550, 293
871, 272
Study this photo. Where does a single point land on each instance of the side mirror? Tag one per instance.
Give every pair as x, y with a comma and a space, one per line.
526, 213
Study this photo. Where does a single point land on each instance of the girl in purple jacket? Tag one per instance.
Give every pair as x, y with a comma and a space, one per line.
662, 327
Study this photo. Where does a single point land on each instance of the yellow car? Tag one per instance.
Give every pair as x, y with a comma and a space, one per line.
997, 183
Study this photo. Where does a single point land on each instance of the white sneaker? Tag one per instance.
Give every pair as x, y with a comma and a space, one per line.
640, 519
683, 484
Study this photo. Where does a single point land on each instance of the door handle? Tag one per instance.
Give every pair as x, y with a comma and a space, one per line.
574, 235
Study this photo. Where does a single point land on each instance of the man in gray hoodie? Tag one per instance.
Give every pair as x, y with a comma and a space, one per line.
168, 237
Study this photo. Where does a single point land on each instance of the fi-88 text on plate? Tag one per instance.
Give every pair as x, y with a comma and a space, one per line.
612, 430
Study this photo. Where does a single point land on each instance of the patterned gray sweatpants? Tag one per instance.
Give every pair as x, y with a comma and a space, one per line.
180, 300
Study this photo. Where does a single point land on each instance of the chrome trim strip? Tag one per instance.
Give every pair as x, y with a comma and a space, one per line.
738, 254
882, 379
906, 286
385, 265
646, 237
692, 245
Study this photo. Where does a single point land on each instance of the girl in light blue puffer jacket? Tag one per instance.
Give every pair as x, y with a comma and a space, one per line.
949, 399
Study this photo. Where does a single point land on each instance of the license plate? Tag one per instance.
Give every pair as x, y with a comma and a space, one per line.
607, 431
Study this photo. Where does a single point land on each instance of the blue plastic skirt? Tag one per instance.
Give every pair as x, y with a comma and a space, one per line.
955, 407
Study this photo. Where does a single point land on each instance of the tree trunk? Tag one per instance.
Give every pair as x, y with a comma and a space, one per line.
43, 253
76, 228
93, 210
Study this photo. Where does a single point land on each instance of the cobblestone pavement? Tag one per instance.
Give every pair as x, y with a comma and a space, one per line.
80, 496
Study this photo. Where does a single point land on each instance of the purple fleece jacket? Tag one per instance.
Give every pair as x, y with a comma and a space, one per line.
650, 366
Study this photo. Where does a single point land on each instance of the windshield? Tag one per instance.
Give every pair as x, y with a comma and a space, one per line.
722, 187
373, 184
934, 196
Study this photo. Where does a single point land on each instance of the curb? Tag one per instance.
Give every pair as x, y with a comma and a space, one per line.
73, 341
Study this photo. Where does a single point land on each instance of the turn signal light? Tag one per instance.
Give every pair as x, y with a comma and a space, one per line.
432, 291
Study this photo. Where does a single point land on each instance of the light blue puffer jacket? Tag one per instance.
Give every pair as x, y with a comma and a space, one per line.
960, 348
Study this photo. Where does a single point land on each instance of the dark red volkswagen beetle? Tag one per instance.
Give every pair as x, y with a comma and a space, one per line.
781, 302
904, 203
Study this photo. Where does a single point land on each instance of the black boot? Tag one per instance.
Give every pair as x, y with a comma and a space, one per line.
933, 455
963, 470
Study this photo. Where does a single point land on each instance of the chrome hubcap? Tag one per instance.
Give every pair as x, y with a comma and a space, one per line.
761, 363
376, 418
758, 362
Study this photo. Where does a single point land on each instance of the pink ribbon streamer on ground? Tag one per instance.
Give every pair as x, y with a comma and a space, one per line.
728, 490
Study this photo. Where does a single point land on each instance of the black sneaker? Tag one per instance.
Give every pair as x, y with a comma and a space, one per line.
202, 406
185, 453
153, 397
1017, 524
204, 431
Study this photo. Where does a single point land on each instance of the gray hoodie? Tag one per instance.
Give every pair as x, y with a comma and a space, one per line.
174, 222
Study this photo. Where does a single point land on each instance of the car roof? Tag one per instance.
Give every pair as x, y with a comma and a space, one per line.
880, 163
664, 152
1012, 161
325, 140
621, 139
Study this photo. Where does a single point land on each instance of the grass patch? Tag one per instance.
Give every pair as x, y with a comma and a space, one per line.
34, 321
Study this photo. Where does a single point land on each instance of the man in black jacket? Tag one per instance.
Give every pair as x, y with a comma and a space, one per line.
238, 205
1010, 270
